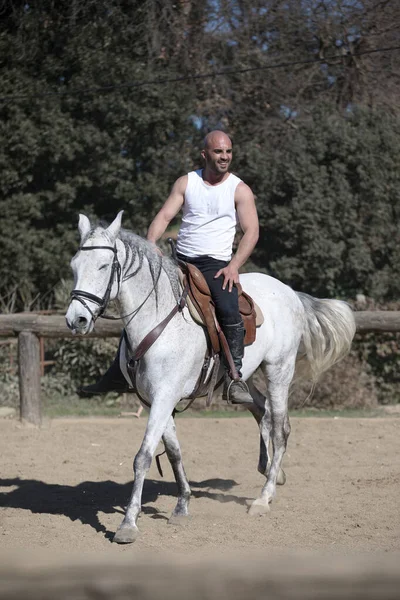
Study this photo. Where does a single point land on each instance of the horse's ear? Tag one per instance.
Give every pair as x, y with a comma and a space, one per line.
83, 226
113, 229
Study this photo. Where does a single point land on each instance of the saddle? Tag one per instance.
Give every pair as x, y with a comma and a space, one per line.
202, 307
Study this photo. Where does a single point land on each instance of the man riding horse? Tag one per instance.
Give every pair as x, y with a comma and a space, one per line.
212, 200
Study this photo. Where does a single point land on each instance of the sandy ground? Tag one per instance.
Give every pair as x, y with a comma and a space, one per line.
63, 487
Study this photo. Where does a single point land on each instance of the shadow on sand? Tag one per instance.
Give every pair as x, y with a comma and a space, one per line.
84, 501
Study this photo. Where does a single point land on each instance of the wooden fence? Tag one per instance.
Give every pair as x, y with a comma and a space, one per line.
29, 328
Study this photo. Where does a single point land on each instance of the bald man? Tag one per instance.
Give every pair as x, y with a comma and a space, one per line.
212, 200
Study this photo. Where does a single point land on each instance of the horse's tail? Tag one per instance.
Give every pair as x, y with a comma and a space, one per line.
327, 336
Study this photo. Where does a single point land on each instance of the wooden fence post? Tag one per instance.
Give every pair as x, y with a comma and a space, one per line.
29, 377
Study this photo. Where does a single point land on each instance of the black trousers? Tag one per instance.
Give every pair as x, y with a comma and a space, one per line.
226, 302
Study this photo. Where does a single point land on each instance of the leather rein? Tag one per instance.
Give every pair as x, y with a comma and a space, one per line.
116, 270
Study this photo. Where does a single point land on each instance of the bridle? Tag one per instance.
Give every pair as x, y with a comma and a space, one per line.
81, 295
103, 302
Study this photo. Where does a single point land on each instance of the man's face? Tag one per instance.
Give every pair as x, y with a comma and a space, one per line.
218, 154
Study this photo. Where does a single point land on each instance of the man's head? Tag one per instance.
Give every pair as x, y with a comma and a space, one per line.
217, 152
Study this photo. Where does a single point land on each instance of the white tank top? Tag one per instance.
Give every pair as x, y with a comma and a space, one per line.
209, 218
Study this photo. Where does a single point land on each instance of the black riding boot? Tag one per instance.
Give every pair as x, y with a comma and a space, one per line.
236, 391
113, 380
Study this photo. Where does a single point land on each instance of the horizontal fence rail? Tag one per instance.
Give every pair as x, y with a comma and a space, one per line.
54, 326
30, 327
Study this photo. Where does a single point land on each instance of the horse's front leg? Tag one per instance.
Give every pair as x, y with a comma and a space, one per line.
173, 450
262, 414
160, 413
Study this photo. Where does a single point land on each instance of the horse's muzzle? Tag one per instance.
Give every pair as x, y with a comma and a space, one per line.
78, 322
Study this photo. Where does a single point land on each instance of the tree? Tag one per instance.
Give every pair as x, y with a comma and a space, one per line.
329, 203
85, 132
76, 148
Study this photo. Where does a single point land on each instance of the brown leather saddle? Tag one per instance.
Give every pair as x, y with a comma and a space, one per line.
196, 294
200, 298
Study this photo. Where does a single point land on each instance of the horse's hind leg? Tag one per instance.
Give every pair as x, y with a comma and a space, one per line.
262, 414
278, 388
173, 451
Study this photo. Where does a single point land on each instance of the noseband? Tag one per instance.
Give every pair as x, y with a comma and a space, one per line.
80, 295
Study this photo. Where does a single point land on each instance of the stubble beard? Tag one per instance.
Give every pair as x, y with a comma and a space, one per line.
220, 169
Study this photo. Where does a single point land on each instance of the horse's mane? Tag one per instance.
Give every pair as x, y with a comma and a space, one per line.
138, 247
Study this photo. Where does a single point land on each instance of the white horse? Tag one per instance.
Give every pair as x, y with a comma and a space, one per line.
299, 332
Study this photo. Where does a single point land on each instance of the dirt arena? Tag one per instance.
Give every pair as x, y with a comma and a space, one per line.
64, 487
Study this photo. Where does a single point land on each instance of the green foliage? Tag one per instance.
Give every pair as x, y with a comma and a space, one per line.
326, 181
84, 361
74, 362
380, 355
9, 390
91, 152
329, 203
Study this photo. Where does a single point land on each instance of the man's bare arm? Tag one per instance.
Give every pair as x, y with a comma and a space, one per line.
248, 219
168, 211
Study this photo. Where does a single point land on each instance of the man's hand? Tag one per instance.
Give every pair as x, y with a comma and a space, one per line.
230, 274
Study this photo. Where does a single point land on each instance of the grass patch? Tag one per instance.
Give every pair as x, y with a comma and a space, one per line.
345, 413
80, 411
74, 406
113, 405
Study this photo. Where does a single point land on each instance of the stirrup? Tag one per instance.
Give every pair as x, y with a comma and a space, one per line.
243, 397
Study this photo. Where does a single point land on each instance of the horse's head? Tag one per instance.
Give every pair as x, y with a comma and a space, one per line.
97, 274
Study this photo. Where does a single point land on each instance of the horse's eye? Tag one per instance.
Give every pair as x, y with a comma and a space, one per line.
103, 267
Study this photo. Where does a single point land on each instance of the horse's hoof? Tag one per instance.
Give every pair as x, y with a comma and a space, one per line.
259, 507
281, 479
179, 520
126, 535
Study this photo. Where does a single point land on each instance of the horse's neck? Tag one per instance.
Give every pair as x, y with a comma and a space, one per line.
155, 299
